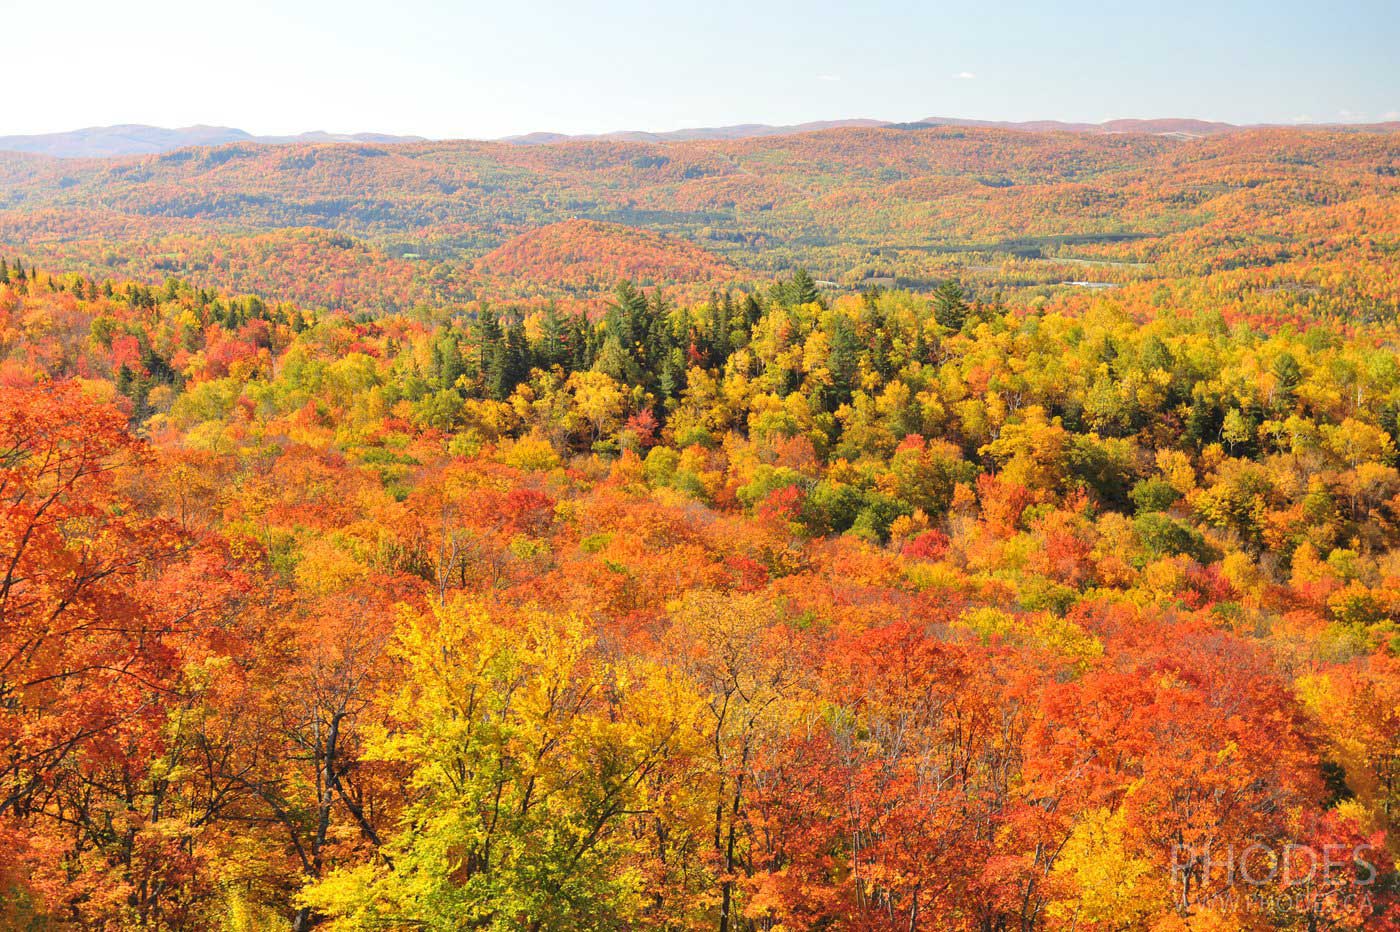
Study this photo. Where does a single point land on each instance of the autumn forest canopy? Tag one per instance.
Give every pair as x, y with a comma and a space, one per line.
874, 529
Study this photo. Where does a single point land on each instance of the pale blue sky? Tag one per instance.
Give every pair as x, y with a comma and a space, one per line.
485, 70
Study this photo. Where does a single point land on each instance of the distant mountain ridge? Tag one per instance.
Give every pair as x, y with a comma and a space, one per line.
1170, 126
737, 131
139, 139
1160, 127
1182, 127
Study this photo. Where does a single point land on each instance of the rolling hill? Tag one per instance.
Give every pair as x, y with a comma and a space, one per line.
587, 254
915, 204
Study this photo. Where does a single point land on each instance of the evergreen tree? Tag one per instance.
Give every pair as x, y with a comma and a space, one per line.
1288, 375
802, 289
155, 365
580, 344
660, 338
672, 380
627, 316
592, 346
753, 312
718, 341
517, 354
448, 362
553, 348
876, 335
488, 341
950, 306
504, 365
616, 363
842, 361
1156, 355
1203, 421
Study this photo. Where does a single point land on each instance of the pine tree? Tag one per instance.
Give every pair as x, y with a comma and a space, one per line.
553, 348
843, 361
802, 289
672, 380
1288, 375
517, 354
719, 344
155, 365
627, 316
659, 337
753, 312
592, 345
508, 364
950, 306
616, 363
488, 341
449, 365
1156, 355
1203, 421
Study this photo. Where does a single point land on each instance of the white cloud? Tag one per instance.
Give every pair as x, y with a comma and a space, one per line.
964, 75
1390, 116
828, 77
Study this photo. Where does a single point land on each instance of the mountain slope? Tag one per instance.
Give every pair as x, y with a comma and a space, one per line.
915, 204
588, 254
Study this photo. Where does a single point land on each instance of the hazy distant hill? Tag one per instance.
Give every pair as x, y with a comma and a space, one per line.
137, 139
738, 131
1170, 126
1163, 127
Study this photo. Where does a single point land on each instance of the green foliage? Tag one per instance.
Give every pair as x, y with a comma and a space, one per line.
1154, 494
949, 306
1161, 536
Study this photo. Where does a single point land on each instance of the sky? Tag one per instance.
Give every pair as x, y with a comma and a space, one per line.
479, 70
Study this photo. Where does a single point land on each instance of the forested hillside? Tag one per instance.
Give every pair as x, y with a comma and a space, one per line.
418, 223
706, 606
